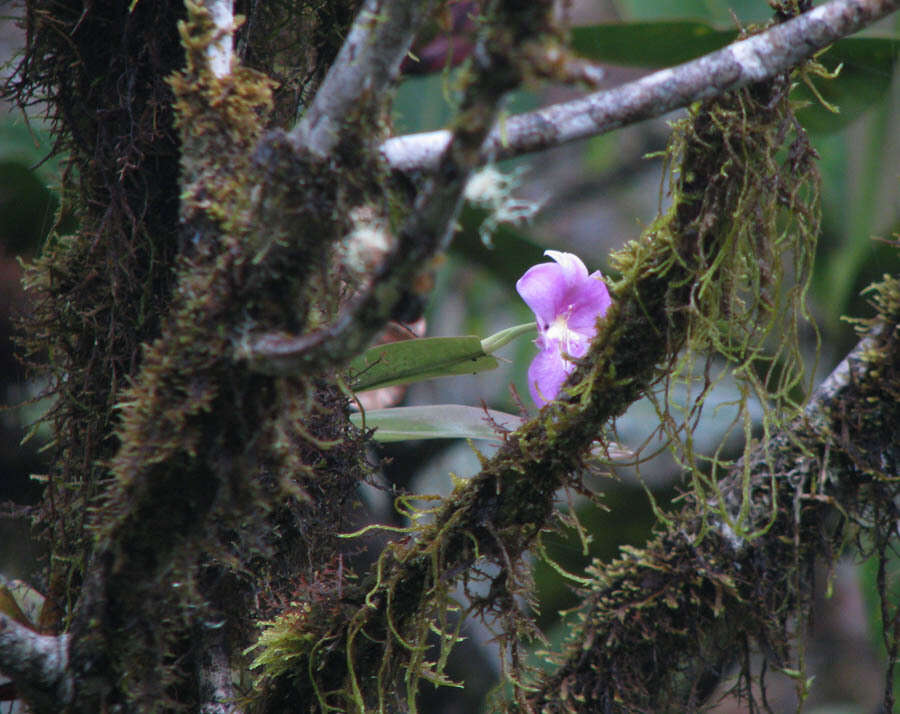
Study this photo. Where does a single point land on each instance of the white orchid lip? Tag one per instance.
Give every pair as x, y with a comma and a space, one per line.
566, 302
559, 333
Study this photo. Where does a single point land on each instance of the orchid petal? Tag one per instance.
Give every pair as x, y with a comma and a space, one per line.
567, 303
546, 375
576, 346
543, 289
592, 300
573, 269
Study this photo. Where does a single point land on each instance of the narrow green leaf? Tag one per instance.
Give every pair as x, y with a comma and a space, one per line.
435, 421
418, 359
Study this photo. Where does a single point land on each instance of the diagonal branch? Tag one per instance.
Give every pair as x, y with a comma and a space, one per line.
708, 594
367, 63
752, 60
38, 664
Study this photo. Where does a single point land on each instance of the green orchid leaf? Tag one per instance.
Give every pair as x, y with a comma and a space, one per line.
436, 421
500, 339
414, 360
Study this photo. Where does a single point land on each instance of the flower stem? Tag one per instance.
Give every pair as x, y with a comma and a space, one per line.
499, 339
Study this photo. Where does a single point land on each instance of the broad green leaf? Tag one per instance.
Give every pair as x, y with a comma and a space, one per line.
649, 44
435, 421
418, 359
714, 11
27, 208
867, 69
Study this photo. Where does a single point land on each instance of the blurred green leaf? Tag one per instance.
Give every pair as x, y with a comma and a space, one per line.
868, 68
436, 421
418, 359
720, 11
513, 251
27, 208
649, 44
28, 179
30, 145
868, 573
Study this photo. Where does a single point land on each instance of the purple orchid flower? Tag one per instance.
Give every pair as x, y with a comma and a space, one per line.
566, 302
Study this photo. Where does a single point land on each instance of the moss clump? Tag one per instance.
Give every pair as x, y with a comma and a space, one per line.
97, 294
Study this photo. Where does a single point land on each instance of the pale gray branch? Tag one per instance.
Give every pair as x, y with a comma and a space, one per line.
217, 693
221, 51
752, 60
366, 64
38, 664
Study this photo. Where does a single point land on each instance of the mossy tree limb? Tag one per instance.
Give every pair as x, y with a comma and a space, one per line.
662, 625
210, 453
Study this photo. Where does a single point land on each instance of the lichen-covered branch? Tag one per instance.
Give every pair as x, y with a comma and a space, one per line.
663, 624
38, 664
755, 59
368, 62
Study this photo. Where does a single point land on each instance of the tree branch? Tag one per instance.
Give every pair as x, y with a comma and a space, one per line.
367, 62
752, 60
217, 693
428, 227
37, 664
221, 51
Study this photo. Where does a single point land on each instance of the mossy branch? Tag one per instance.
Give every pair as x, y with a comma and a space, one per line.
662, 625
